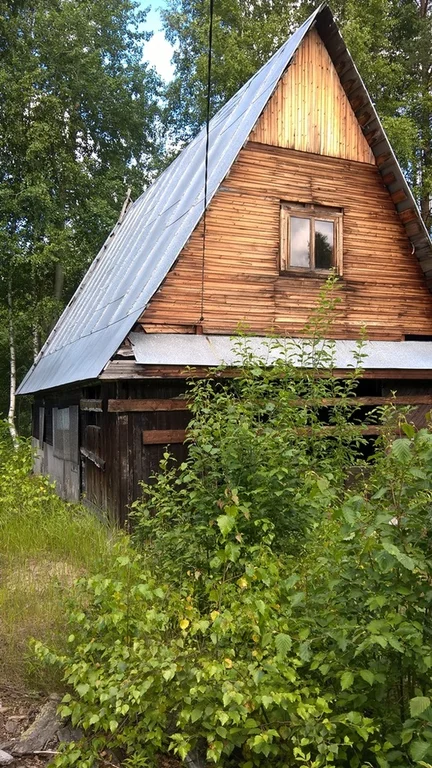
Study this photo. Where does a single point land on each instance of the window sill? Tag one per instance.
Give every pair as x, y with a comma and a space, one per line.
318, 274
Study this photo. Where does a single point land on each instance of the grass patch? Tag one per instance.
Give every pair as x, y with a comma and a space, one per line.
45, 544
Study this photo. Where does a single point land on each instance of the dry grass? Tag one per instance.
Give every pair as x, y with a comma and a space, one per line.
45, 544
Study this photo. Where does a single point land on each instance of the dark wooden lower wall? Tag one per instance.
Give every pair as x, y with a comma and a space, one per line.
116, 438
121, 441
112, 458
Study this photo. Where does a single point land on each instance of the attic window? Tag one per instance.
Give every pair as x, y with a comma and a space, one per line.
311, 239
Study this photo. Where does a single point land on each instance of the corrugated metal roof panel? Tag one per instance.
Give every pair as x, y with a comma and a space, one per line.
143, 247
213, 351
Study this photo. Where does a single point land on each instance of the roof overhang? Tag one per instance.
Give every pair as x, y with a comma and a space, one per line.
188, 350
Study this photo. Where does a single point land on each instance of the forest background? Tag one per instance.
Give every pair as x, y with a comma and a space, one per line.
84, 118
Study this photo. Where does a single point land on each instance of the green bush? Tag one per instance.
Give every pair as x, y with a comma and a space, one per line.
278, 607
260, 436
323, 659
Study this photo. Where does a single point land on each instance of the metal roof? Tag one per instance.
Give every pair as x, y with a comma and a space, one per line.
143, 247
195, 350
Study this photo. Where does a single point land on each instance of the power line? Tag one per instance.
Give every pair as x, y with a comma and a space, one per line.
209, 63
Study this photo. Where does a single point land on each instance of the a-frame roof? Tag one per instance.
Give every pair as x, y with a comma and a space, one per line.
143, 247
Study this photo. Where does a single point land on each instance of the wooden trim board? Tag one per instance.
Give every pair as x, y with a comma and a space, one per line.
91, 405
163, 436
93, 458
143, 406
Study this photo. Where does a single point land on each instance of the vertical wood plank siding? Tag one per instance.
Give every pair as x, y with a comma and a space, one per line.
382, 285
309, 110
117, 439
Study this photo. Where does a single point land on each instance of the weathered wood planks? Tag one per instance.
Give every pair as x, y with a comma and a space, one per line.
94, 406
310, 111
163, 436
382, 286
118, 406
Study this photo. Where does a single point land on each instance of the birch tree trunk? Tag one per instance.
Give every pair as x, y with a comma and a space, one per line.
12, 370
36, 342
426, 116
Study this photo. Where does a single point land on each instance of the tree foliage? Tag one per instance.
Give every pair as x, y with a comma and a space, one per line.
78, 125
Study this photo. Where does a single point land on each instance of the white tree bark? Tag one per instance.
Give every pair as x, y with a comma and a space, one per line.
12, 374
36, 342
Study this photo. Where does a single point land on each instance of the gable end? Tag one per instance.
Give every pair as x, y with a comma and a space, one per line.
374, 133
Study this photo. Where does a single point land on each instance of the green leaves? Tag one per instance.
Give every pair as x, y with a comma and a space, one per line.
401, 557
283, 643
347, 680
367, 675
419, 749
401, 449
418, 705
226, 523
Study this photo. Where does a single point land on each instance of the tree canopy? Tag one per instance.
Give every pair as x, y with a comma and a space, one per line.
79, 124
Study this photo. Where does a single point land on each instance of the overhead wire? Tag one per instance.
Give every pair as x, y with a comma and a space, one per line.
207, 145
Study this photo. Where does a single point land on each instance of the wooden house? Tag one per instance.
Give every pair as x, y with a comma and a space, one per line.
301, 180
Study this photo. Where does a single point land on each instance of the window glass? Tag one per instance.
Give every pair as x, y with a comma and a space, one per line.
300, 242
324, 244
65, 421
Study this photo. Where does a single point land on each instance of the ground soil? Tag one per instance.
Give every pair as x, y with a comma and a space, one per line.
18, 709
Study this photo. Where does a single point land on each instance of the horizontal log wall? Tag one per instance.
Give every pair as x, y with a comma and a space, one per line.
310, 111
382, 285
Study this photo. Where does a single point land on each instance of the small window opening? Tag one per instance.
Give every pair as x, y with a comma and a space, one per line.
311, 239
48, 425
65, 433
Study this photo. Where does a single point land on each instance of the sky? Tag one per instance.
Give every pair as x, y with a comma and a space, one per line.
157, 51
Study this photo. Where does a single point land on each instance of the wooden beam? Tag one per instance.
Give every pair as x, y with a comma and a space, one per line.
408, 215
143, 406
179, 372
93, 458
91, 405
399, 196
389, 178
163, 436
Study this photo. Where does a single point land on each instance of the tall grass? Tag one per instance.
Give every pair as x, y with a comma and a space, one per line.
45, 544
